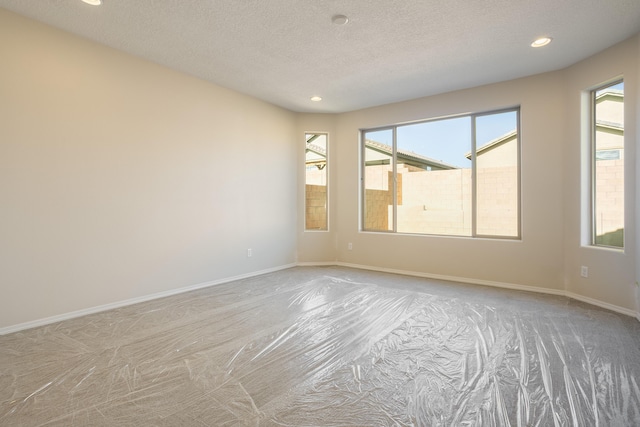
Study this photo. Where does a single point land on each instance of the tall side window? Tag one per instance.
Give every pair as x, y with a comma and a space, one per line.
457, 176
607, 165
316, 194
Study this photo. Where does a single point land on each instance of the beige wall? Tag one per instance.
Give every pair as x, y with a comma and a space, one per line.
536, 260
636, 216
611, 272
317, 246
554, 201
120, 178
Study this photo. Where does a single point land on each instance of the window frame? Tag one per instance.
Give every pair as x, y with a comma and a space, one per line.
327, 180
592, 166
474, 184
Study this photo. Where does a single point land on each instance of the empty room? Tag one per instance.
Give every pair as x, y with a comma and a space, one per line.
319, 213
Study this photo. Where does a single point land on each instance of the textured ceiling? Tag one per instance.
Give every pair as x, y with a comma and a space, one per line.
285, 51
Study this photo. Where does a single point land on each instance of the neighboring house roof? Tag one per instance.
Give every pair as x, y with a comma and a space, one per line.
316, 149
408, 156
315, 154
618, 93
493, 143
610, 125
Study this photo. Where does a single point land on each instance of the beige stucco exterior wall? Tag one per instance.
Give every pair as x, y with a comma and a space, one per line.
439, 202
315, 207
611, 109
121, 179
499, 156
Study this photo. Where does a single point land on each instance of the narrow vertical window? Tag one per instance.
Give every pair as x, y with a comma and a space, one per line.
608, 165
316, 195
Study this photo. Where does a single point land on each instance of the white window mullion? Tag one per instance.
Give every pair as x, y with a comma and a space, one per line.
395, 179
474, 192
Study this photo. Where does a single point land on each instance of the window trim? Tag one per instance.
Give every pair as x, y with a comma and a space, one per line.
473, 117
592, 93
328, 178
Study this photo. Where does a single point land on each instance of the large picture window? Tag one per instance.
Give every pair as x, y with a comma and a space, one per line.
607, 160
456, 176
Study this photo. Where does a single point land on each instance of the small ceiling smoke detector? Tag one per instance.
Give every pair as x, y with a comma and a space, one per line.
339, 19
93, 2
542, 41
316, 98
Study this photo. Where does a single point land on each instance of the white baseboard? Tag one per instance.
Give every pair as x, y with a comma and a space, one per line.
558, 292
602, 304
105, 307
460, 279
66, 316
317, 264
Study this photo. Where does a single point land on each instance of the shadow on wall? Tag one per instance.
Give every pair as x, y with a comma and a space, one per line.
612, 238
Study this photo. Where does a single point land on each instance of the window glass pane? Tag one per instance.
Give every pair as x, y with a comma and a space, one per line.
378, 180
434, 177
497, 174
316, 182
608, 170
455, 176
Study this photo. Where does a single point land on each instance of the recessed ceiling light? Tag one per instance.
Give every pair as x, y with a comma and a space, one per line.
316, 98
93, 2
542, 41
339, 19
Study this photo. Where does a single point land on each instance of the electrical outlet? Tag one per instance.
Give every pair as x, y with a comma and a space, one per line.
350, 246
584, 271
249, 253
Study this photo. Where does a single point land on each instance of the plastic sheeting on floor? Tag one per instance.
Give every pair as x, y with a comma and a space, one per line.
328, 347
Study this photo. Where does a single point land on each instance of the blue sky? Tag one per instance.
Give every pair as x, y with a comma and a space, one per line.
619, 86
448, 140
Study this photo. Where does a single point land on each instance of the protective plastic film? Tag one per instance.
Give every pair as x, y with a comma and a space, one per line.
328, 347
